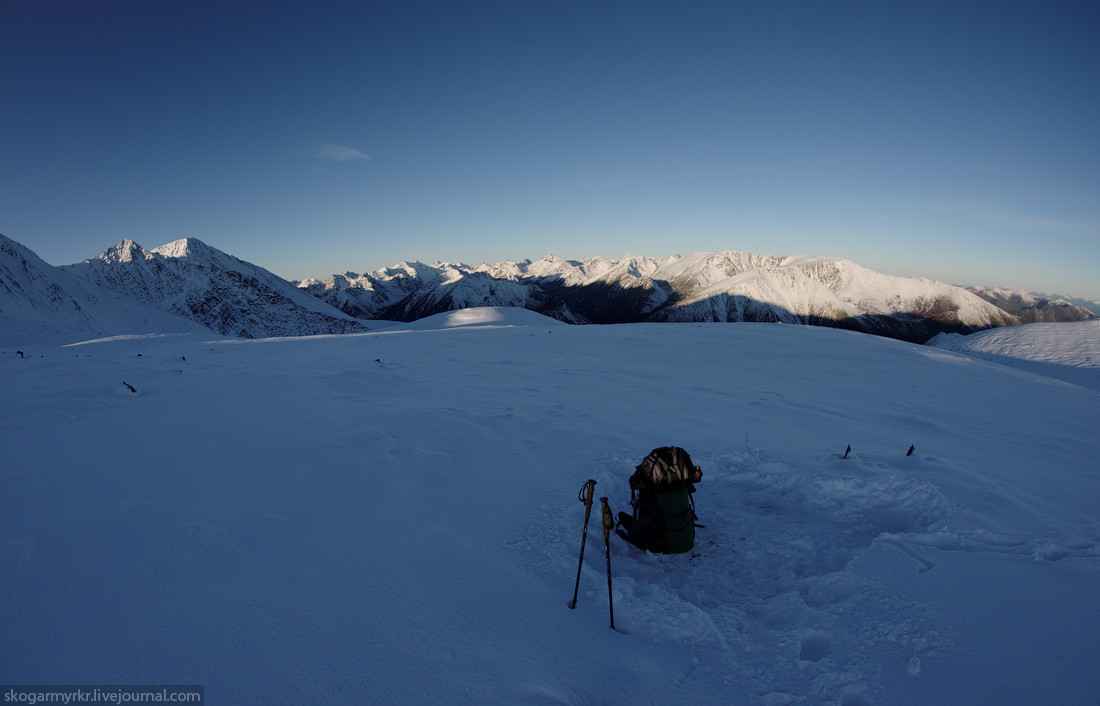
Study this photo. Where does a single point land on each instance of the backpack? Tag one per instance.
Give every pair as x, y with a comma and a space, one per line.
664, 517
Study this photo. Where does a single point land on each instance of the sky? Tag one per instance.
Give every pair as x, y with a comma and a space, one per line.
950, 140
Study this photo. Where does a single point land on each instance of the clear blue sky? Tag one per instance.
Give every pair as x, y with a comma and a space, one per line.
955, 140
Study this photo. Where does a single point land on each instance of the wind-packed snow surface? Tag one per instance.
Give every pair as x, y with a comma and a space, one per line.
1069, 351
392, 517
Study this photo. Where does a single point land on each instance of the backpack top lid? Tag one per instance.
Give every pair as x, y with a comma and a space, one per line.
666, 468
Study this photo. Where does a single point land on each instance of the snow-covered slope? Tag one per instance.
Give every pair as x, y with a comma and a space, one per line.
1032, 308
39, 302
479, 317
704, 286
229, 296
1068, 351
392, 517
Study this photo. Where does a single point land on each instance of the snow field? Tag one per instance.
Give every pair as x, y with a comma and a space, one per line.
1066, 351
393, 518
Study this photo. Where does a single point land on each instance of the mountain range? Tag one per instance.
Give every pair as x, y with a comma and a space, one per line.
703, 286
186, 283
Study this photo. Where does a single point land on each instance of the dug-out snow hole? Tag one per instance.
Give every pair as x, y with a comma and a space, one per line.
816, 646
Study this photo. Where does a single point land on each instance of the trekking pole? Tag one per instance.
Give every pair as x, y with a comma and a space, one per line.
585, 496
608, 523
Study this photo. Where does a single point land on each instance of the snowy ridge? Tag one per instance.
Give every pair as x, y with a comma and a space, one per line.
477, 318
363, 511
1090, 305
187, 278
1033, 308
702, 286
41, 302
232, 297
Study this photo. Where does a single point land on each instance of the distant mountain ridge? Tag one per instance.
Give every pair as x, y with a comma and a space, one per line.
703, 286
184, 284
1033, 308
230, 296
1091, 305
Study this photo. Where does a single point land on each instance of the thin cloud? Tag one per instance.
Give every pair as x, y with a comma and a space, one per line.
997, 214
339, 153
989, 213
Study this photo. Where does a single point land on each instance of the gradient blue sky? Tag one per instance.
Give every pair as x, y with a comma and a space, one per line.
955, 140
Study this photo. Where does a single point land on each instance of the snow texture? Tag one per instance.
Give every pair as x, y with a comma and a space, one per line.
1068, 351
392, 517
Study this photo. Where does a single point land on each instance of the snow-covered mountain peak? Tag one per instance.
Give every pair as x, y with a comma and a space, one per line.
38, 299
191, 279
414, 269
550, 266
626, 266
196, 253
126, 250
186, 247
800, 260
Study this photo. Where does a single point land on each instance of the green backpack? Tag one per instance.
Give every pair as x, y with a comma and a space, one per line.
664, 517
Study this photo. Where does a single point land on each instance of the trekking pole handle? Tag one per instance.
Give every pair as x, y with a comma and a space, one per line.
585, 496
587, 490
608, 519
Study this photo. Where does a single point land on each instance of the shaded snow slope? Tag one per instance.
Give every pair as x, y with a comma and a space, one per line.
392, 517
1068, 351
225, 294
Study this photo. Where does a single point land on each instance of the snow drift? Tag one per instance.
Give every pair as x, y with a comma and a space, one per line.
1068, 351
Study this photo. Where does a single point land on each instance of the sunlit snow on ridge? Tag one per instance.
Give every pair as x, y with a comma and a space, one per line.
475, 317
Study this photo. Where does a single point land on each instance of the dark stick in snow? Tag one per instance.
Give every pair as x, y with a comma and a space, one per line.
585, 497
608, 522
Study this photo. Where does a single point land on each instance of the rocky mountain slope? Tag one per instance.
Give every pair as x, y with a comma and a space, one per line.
201, 283
40, 301
704, 286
